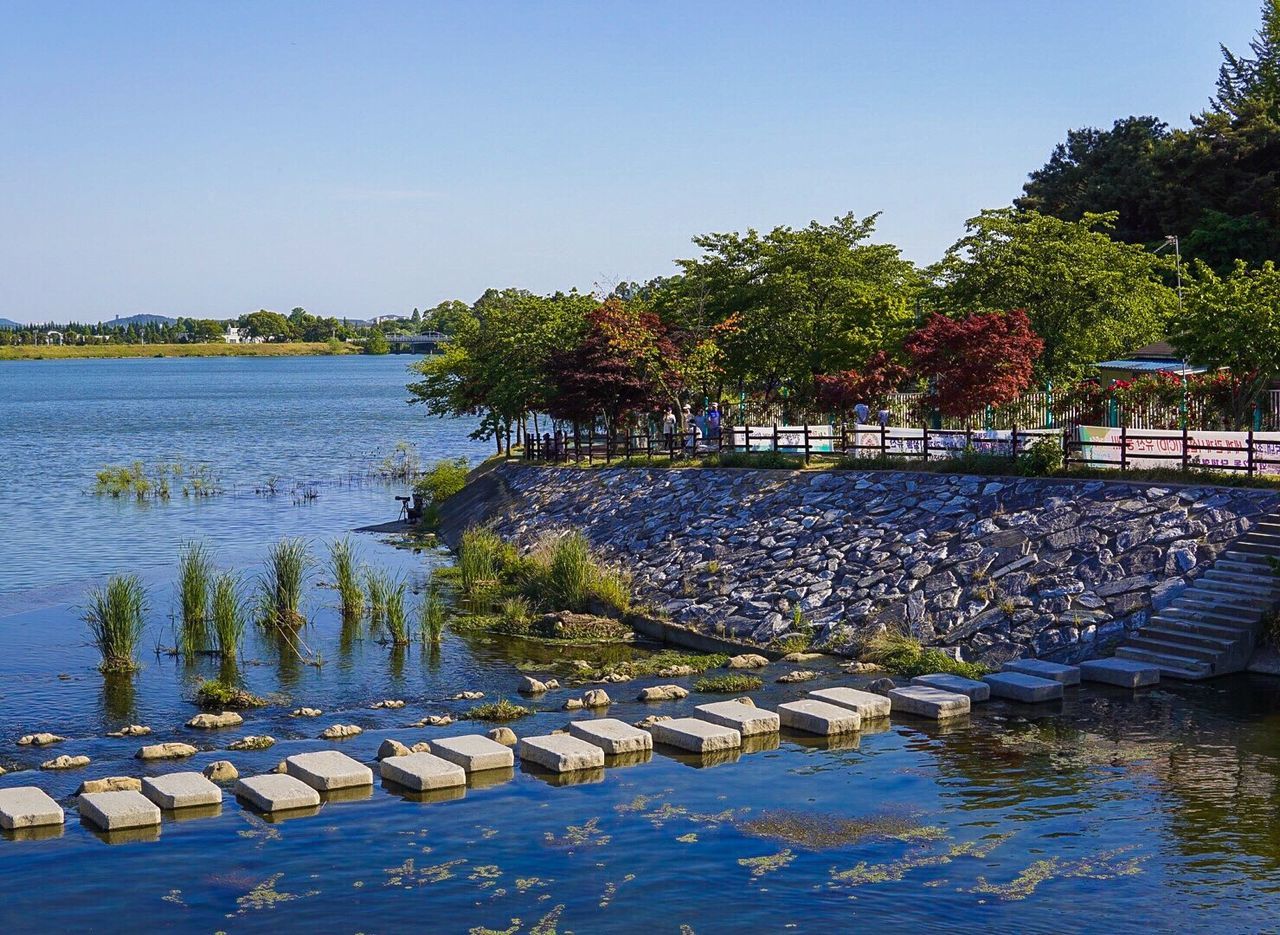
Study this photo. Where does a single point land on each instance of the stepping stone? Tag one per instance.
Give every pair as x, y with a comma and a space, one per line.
612, 736
1067, 675
561, 753
181, 790
746, 719
113, 811
1017, 686
28, 807
326, 770
956, 684
689, 733
473, 752
869, 705
819, 717
925, 701
277, 792
1127, 673
422, 772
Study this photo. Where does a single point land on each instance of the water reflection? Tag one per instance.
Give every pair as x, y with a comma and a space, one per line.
119, 698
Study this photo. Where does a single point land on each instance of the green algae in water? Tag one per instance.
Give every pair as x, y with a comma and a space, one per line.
769, 863
409, 875
1107, 865
486, 875
266, 896
894, 870
690, 838
583, 835
822, 832
547, 925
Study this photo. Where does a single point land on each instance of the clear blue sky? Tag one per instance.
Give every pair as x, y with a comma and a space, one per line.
208, 159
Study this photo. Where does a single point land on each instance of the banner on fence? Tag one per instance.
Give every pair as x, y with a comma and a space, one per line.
822, 438
943, 443
1163, 448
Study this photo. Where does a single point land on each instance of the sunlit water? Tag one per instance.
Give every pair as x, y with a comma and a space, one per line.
1115, 811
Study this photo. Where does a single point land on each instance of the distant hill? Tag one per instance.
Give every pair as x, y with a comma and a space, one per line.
140, 320
10, 323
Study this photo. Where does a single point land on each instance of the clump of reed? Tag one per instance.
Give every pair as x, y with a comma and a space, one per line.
115, 616
397, 625
563, 574
227, 614
378, 584
906, 656
280, 586
431, 615
345, 567
195, 577
481, 555
729, 684
503, 710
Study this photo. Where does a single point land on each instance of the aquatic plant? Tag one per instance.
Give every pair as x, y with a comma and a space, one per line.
280, 586
397, 625
223, 694
820, 831
195, 576
344, 566
792, 643
404, 462
378, 585
431, 615
729, 684
115, 616
503, 710
562, 574
134, 479
480, 555
227, 614
906, 656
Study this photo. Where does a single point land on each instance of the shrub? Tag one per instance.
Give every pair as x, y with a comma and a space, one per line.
503, 710
792, 643
907, 657
442, 480
344, 565
1041, 458
195, 576
280, 587
727, 684
227, 614
115, 616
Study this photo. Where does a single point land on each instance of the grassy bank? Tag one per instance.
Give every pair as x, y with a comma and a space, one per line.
72, 351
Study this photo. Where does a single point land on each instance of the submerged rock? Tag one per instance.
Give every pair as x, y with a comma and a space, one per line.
340, 732
663, 693
65, 762
420, 747
389, 704
675, 672
746, 700
110, 784
39, 740
166, 751
253, 743
132, 730
881, 686
596, 698
305, 712
208, 721
801, 657
221, 771
503, 735
747, 661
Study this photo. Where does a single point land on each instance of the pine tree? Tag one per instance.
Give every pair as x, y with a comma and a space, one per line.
1248, 87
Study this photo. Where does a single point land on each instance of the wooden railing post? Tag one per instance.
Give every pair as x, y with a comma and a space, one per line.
924, 447
1249, 452
747, 436
1013, 443
1124, 448
1186, 454
806, 444
775, 437
884, 442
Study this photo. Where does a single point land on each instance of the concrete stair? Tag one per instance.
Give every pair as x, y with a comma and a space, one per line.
1212, 627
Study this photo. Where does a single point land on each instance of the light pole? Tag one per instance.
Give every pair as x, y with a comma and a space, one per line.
1171, 240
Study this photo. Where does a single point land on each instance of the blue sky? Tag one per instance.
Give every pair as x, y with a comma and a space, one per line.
208, 159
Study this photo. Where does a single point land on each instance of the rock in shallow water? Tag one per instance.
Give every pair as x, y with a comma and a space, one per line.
221, 771
166, 751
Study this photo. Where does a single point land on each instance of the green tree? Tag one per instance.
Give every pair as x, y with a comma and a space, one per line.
266, 325
376, 342
1233, 321
1090, 297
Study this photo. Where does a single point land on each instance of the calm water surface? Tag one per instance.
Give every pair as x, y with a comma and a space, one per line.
1114, 811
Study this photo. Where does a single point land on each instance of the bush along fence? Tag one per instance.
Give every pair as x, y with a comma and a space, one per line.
1088, 446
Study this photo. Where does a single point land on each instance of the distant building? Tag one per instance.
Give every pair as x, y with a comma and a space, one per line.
232, 335
379, 319
1146, 361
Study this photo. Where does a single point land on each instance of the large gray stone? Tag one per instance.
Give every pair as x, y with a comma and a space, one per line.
473, 752
422, 772
925, 701
612, 736
277, 792
1017, 686
957, 684
1127, 673
113, 811
28, 807
747, 720
181, 790
561, 753
869, 705
819, 717
1067, 675
326, 770
689, 733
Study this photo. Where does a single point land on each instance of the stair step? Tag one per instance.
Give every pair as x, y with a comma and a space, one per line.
1257, 548
1209, 655
1171, 665
1261, 534
1184, 625
1227, 599
1254, 583
1211, 611
1250, 559
1235, 589
1173, 634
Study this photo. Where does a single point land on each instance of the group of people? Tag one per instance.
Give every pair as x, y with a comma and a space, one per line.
697, 426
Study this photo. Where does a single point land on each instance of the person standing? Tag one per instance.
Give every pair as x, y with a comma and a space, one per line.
861, 413
713, 422
669, 428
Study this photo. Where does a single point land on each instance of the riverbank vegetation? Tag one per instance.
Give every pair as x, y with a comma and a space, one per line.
280, 585
157, 482
115, 616
76, 351
907, 657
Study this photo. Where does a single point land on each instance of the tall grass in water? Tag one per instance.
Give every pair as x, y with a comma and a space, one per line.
397, 624
195, 576
344, 565
431, 617
378, 583
115, 617
568, 577
227, 615
480, 556
280, 587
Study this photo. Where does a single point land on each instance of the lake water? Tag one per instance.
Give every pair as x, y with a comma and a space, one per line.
1114, 811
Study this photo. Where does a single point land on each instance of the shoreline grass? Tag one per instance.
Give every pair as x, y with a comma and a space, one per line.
115, 616
120, 351
397, 624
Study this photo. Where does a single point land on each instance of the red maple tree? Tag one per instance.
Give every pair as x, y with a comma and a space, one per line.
870, 384
982, 359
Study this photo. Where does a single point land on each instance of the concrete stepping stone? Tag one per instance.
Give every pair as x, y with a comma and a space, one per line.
326, 770
611, 735
868, 704
277, 792
1127, 673
28, 807
956, 684
819, 717
1017, 686
926, 701
115, 811
181, 790
1067, 675
561, 753
422, 772
697, 736
746, 719
474, 752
